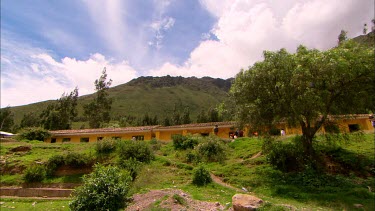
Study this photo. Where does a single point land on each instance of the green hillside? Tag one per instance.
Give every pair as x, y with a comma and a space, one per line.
154, 96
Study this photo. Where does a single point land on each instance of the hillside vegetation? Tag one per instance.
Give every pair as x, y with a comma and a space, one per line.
158, 96
243, 167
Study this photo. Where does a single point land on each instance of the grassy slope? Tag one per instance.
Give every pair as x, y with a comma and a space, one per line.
144, 96
170, 170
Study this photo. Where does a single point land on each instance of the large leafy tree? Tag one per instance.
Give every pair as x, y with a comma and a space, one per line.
6, 119
305, 88
98, 111
59, 116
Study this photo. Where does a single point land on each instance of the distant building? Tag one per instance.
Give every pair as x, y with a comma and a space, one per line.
345, 123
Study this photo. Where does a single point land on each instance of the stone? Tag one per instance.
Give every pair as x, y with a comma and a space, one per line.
245, 202
217, 203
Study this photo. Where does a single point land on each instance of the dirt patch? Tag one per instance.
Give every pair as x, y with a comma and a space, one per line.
219, 181
68, 170
21, 149
163, 199
256, 155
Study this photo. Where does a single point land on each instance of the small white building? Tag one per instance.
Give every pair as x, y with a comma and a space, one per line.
6, 134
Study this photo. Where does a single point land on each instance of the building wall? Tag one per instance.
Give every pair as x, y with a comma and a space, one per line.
166, 134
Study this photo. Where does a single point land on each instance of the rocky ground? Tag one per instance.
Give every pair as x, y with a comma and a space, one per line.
166, 199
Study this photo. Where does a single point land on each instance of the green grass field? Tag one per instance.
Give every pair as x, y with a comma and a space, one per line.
244, 167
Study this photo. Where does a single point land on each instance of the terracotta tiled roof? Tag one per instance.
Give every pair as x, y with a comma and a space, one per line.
103, 130
199, 125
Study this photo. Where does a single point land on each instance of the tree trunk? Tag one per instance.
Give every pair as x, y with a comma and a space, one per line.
308, 134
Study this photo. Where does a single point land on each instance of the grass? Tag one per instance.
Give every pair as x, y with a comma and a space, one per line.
33, 204
304, 190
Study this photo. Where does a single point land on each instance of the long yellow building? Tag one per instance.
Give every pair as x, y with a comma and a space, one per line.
347, 123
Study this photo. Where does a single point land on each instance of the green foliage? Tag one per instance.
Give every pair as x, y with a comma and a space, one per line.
285, 156
211, 150
305, 87
30, 120
342, 36
98, 110
59, 115
34, 173
6, 119
104, 189
33, 133
184, 142
179, 199
201, 176
53, 163
105, 146
76, 160
132, 165
138, 150
331, 127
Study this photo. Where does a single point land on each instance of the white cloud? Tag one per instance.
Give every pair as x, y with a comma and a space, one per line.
246, 28
36, 76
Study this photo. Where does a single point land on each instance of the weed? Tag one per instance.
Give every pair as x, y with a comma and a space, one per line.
179, 199
34, 173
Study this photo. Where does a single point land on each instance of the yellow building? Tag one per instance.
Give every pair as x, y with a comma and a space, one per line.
345, 123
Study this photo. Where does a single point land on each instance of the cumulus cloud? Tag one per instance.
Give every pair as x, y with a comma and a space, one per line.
36, 76
244, 29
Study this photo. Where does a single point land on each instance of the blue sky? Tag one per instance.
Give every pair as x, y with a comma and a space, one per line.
50, 47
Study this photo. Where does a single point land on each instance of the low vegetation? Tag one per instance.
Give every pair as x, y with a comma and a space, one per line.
270, 169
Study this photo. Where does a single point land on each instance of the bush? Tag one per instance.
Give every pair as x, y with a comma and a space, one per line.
76, 160
131, 165
184, 142
212, 151
34, 173
138, 150
53, 163
104, 189
201, 176
105, 146
284, 156
33, 133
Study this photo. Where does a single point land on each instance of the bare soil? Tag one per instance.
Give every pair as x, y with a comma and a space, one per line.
163, 199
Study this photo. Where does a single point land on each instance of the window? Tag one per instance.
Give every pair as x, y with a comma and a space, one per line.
85, 140
53, 140
66, 140
138, 138
99, 138
354, 128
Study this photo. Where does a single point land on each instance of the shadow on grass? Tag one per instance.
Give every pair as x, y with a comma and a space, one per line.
334, 191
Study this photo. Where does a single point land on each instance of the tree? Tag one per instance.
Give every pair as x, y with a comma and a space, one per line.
342, 36
6, 119
98, 111
59, 116
305, 88
202, 117
186, 116
30, 120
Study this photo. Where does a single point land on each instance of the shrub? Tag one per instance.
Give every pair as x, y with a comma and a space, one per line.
76, 160
104, 189
53, 163
33, 133
131, 165
201, 176
138, 150
192, 157
34, 173
284, 156
105, 146
184, 142
212, 151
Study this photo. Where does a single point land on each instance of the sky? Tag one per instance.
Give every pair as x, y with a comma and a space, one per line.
50, 47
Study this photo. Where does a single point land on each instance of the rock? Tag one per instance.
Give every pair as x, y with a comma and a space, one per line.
244, 189
217, 204
245, 202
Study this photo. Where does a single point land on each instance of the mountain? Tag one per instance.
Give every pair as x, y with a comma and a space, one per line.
152, 95
368, 39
